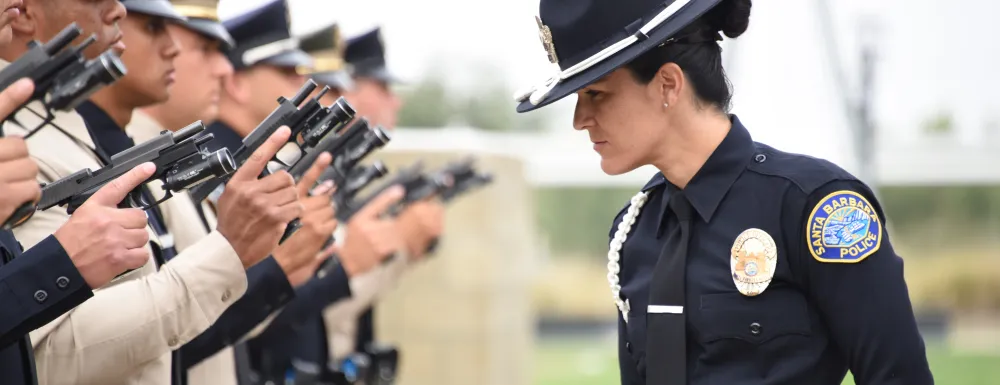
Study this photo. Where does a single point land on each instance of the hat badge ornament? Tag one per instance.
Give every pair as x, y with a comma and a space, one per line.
545, 34
536, 94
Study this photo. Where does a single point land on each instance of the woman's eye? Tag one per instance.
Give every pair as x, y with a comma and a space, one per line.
593, 94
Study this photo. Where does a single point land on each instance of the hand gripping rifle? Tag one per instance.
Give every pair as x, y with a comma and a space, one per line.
347, 148
180, 161
62, 80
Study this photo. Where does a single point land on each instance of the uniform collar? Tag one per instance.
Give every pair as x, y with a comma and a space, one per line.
143, 127
711, 183
108, 135
225, 136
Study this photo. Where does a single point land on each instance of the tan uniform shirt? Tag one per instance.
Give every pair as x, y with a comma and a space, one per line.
124, 334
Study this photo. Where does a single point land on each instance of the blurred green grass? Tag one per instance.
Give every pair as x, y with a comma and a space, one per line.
594, 362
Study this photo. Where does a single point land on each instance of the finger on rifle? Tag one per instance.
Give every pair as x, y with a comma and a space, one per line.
130, 218
116, 191
282, 197
20, 170
136, 238
137, 257
278, 181
25, 187
12, 147
314, 172
288, 212
325, 188
318, 215
380, 203
254, 165
15, 95
317, 202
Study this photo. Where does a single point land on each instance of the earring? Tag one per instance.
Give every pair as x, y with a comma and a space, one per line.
665, 105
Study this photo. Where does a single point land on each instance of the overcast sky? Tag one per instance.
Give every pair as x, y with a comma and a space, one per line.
935, 56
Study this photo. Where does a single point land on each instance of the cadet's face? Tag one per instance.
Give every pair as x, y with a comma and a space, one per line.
330, 97
150, 57
43, 19
623, 120
268, 83
375, 100
201, 67
10, 11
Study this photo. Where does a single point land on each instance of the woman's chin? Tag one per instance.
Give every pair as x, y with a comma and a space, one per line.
615, 166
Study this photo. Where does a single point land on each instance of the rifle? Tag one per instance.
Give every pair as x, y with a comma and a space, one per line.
347, 148
357, 179
63, 78
279, 117
464, 178
180, 161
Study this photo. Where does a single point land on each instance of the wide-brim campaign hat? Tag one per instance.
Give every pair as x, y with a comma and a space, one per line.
366, 55
263, 36
203, 18
158, 8
327, 47
589, 39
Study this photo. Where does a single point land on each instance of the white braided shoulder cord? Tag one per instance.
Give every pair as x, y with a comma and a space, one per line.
614, 252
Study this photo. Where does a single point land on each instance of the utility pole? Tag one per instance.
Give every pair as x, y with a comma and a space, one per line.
857, 107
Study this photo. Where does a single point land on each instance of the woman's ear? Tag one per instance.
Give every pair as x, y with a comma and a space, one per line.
670, 83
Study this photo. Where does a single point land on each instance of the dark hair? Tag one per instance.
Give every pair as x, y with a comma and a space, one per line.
696, 50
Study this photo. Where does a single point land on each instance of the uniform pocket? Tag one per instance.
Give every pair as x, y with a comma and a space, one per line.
756, 320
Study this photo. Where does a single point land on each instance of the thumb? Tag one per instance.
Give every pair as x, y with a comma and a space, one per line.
14, 96
381, 202
116, 191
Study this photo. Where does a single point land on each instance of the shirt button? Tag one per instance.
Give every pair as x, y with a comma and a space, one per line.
760, 158
628, 346
226, 295
755, 329
41, 296
173, 341
62, 282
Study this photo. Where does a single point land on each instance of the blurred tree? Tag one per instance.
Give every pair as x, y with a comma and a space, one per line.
426, 104
942, 123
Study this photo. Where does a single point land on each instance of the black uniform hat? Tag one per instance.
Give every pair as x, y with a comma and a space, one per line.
158, 8
203, 17
589, 39
327, 49
366, 55
263, 36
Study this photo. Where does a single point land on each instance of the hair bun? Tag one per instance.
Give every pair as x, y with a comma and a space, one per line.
732, 17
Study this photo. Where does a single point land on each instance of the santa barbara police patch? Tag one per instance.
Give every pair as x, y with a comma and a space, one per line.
843, 228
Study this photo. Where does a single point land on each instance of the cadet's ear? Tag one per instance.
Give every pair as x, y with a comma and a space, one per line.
25, 22
669, 81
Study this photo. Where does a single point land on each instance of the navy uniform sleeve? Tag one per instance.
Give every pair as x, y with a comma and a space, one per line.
36, 287
310, 299
267, 290
851, 273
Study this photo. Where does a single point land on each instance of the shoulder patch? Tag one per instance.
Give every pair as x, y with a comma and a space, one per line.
843, 228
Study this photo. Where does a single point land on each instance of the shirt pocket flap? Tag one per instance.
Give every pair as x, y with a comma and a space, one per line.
753, 319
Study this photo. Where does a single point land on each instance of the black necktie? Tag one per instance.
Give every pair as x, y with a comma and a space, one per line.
666, 336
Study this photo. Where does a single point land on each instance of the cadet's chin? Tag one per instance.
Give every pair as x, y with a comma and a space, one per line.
612, 166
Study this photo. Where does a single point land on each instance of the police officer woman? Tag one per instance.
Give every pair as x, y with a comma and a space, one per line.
737, 263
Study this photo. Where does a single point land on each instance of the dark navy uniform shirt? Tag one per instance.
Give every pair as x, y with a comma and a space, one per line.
829, 308
35, 288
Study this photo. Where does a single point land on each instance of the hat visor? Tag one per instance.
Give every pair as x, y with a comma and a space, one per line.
380, 73
291, 59
340, 80
158, 8
667, 29
212, 29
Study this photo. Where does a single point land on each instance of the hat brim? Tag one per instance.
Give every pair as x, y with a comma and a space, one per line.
380, 73
290, 59
340, 80
667, 29
158, 8
212, 29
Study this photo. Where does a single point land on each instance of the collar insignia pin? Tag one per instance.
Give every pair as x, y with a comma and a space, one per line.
545, 34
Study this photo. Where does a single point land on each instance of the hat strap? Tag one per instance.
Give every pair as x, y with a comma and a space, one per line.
537, 93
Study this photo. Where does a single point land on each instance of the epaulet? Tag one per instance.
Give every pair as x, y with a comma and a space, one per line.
806, 172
